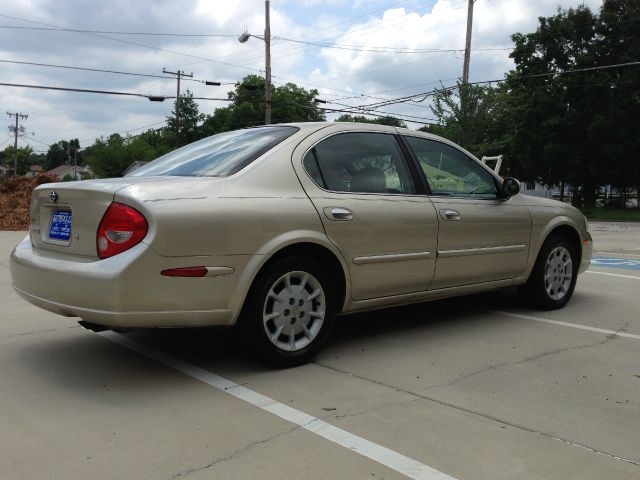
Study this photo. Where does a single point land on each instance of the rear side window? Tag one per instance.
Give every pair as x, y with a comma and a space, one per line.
219, 155
360, 163
450, 172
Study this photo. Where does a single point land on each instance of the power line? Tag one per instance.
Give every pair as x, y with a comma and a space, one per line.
40, 141
365, 27
133, 130
501, 80
367, 48
101, 34
85, 90
86, 69
379, 115
69, 67
160, 98
166, 51
365, 111
328, 27
107, 32
138, 44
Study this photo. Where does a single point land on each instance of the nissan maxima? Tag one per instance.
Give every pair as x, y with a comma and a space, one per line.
277, 230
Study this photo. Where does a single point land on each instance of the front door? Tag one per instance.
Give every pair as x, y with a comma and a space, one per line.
482, 237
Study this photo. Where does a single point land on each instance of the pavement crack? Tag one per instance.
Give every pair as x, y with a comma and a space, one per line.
363, 412
25, 334
484, 415
519, 362
231, 456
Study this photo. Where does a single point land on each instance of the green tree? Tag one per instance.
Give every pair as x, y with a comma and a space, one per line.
467, 114
61, 152
386, 120
190, 119
477, 117
24, 158
57, 155
289, 103
618, 42
110, 157
160, 140
578, 128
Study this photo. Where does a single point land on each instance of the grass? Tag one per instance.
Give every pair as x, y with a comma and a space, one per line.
616, 214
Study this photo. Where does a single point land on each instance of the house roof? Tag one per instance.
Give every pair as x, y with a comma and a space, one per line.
61, 170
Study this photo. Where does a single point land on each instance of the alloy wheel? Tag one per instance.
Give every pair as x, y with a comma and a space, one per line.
294, 311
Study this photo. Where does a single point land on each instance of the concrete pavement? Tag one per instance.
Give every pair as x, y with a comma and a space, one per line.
453, 385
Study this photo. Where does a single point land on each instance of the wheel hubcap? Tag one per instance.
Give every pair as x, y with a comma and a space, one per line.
294, 311
558, 273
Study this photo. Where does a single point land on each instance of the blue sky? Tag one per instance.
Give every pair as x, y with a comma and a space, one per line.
345, 71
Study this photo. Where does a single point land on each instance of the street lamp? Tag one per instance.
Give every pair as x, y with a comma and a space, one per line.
267, 54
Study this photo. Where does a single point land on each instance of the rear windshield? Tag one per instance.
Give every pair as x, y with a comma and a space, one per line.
217, 156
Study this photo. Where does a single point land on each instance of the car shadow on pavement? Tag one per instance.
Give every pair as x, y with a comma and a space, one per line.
434, 317
102, 371
81, 365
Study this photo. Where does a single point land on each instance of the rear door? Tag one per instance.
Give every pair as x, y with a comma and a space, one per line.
482, 237
365, 192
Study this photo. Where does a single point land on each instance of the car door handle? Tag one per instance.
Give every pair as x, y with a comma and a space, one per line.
338, 213
450, 215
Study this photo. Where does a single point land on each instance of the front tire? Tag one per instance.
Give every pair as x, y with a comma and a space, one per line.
553, 279
289, 313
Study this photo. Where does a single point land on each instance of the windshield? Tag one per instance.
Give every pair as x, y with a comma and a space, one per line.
217, 156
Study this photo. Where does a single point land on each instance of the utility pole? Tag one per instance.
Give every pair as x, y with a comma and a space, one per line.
467, 47
267, 56
178, 75
16, 130
267, 59
465, 74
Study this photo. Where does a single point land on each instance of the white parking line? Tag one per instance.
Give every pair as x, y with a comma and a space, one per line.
619, 253
613, 274
389, 458
571, 325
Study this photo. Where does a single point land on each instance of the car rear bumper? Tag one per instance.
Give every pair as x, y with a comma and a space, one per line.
127, 290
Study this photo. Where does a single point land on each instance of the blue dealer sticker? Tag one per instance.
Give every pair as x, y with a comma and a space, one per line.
60, 225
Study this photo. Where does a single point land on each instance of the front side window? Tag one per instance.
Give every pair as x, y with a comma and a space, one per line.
451, 172
219, 155
360, 163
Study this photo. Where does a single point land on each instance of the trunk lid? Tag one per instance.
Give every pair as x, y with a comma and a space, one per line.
65, 216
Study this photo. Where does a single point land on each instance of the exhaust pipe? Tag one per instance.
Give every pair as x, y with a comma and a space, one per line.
92, 327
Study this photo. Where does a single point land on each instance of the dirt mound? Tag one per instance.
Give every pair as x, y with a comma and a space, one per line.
15, 197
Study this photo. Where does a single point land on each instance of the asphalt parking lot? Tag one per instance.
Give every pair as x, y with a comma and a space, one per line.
472, 388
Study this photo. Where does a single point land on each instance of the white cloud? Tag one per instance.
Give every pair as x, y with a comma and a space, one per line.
409, 24
444, 27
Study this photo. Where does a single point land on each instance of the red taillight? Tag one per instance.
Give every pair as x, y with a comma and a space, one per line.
121, 228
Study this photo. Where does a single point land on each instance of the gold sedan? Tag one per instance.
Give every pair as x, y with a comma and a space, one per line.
278, 229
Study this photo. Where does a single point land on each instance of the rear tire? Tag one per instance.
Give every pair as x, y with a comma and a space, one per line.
289, 312
553, 279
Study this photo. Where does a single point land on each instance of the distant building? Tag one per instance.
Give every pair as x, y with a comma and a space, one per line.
34, 171
68, 170
537, 189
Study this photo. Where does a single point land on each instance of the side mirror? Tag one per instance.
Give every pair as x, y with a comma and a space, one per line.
510, 187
